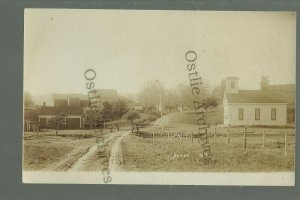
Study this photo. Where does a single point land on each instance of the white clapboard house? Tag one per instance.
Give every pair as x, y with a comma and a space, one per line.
253, 107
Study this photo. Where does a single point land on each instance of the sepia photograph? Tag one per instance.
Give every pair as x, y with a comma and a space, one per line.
159, 97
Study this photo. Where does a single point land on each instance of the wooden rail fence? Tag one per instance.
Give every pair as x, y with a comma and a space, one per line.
215, 136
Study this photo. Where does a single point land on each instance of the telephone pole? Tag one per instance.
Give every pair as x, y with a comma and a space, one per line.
160, 107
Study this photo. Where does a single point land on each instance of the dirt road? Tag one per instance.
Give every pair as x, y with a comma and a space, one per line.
88, 161
116, 154
163, 121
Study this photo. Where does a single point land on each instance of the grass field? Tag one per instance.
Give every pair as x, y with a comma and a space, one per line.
190, 118
162, 154
153, 150
46, 151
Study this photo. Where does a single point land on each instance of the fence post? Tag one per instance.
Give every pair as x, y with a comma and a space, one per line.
263, 143
245, 138
228, 136
285, 143
153, 135
215, 134
198, 138
192, 137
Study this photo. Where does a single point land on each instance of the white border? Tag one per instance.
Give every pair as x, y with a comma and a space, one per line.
164, 178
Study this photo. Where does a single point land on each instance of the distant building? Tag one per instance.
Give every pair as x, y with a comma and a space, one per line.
71, 106
137, 107
288, 92
70, 100
73, 116
253, 107
102, 95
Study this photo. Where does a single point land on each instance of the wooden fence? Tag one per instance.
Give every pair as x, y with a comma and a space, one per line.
227, 134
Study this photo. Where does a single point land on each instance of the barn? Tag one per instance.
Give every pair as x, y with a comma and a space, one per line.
253, 107
72, 115
71, 107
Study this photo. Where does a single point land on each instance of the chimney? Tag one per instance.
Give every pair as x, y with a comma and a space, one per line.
232, 85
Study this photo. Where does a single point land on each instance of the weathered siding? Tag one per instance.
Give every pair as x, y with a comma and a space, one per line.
73, 123
43, 122
231, 112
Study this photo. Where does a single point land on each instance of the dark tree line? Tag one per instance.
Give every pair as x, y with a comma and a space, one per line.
114, 110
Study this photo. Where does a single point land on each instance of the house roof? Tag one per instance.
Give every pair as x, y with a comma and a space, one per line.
257, 96
289, 88
50, 110
66, 96
107, 93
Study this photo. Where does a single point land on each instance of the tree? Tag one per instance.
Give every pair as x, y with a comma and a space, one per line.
264, 83
149, 96
171, 99
92, 115
186, 96
28, 99
210, 101
132, 116
107, 110
218, 91
119, 108
114, 110
57, 121
31, 115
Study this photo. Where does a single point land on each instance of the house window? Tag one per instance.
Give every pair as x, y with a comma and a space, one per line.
257, 113
241, 113
232, 84
273, 114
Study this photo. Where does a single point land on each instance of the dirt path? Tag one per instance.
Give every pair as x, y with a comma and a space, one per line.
69, 159
114, 141
164, 120
116, 155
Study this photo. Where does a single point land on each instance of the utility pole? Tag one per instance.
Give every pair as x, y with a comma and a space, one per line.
160, 102
160, 106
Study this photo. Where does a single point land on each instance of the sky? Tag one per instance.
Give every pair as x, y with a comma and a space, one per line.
128, 48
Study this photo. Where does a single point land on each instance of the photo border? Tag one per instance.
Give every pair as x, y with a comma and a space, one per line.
11, 62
